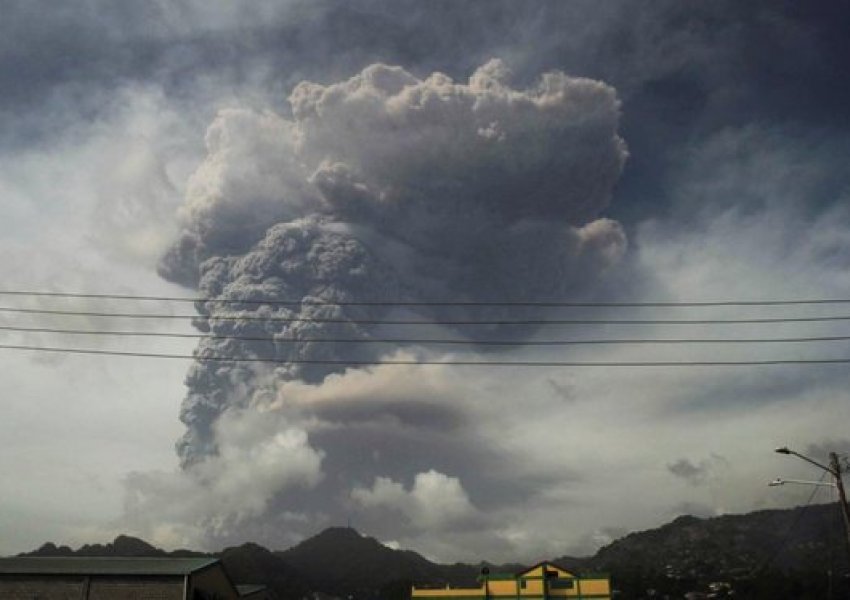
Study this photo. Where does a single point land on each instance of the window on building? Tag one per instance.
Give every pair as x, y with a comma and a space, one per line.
561, 584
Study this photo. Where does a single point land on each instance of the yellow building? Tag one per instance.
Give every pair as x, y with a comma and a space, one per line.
543, 581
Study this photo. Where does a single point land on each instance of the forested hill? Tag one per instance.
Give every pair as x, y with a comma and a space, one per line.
788, 553
764, 554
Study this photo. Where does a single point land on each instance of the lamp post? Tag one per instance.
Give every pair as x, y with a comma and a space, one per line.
833, 469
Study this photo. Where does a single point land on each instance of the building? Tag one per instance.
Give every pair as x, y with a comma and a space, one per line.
543, 581
102, 578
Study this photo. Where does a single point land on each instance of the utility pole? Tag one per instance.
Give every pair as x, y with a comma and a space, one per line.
845, 511
833, 469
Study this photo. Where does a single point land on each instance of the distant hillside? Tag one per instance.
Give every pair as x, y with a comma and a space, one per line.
250, 563
123, 545
765, 554
340, 561
787, 552
245, 564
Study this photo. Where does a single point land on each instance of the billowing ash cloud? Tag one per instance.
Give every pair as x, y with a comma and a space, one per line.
453, 171
385, 187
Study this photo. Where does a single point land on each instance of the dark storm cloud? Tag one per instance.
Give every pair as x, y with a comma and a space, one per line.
736, 116
413, 414
688, 471
492, 477
683, 68
700, 472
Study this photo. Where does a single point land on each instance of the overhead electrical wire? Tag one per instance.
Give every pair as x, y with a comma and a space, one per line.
321, 302
237, 315
395, 362
424, 341
496, 322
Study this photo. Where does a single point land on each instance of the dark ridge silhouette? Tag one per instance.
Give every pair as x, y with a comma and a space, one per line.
795, 553
251, 563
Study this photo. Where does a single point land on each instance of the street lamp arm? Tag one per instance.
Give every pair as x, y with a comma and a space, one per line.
785, 450
780, 481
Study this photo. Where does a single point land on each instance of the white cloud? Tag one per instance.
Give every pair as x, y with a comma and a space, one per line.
257, 459
435, 501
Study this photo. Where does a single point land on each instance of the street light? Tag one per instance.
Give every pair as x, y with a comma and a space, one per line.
833, 469
786, 450
780, 481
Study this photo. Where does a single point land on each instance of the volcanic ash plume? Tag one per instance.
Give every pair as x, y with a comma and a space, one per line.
391, 188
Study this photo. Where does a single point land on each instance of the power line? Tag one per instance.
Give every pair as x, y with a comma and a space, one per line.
499, 322
507, 303
425, 341
464, 363
783, 541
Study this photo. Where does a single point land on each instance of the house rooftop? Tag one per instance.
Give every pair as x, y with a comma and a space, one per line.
91, 565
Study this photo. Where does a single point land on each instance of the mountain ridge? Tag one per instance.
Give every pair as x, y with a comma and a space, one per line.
783, 552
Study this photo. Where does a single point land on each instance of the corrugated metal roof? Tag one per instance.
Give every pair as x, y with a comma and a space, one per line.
79, 565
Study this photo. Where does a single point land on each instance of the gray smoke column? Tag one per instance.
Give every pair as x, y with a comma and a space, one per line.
386, 187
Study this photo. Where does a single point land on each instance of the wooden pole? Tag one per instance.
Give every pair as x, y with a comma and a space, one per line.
845, 511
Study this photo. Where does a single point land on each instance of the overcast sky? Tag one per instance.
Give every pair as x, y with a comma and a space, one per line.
395, 151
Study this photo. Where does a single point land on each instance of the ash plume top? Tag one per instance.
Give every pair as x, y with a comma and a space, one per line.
387, 187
